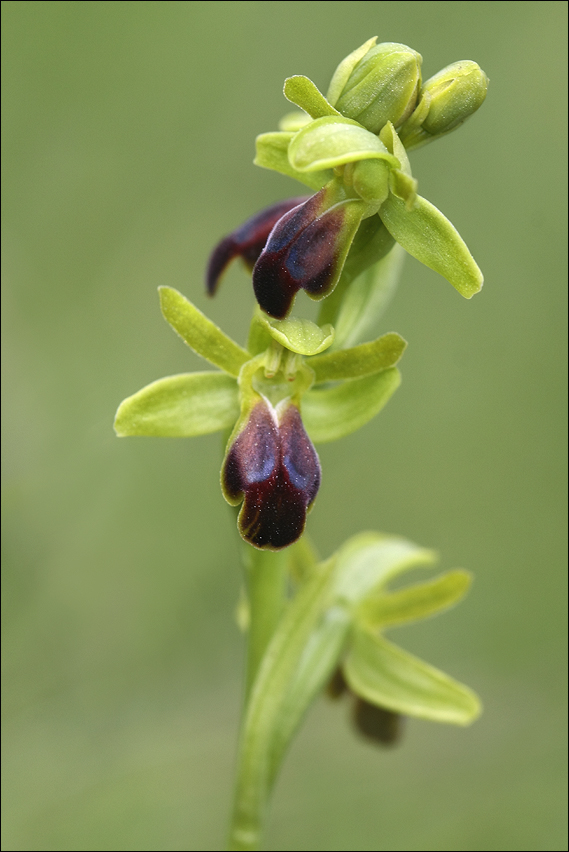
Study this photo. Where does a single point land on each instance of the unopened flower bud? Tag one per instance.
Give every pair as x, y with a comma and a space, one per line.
447, 100
383, 86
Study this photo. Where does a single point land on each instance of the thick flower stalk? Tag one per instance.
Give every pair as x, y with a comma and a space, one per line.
296, 383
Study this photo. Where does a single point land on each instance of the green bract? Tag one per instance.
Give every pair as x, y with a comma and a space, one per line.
323, 626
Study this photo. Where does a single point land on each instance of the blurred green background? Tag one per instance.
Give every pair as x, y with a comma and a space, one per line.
128, 141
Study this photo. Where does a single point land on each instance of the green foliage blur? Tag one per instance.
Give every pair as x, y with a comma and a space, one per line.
128, 139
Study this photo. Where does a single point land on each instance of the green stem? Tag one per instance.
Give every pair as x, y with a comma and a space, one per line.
266, 591
256, 771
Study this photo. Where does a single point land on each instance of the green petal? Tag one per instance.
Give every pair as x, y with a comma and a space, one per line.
330, 142
200, 333
345, 68
366, 299
180, 407
362, 360
272, 153
416, 602
301, 335
302, 92
335, 412
429, 236
385, 675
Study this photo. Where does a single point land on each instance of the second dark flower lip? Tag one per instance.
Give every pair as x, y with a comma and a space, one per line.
273, 467
247, 241
306, 250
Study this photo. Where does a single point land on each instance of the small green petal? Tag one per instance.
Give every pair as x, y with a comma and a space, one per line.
345, 68
180, 407
359, 361
302, 92
332, 413
429, 236
301, 335
385, 675
200, 333
416, 602
330, 142
366, 299
272, 153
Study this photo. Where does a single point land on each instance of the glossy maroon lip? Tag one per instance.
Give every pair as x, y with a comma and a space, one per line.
273, 466
247, 241
301, 253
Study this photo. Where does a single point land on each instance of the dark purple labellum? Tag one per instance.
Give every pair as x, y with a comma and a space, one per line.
247, 242
273, 466
306, 250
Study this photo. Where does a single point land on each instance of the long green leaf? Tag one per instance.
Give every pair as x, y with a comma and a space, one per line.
332, 413
180, 407
429, 236
200, 333
385, 675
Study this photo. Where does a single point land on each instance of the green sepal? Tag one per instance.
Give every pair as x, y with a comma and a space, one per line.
332, 413
293, 121
366, 299
272, 153
333, 141
389, 677
342, 73
429, 236
359, 361
180, 407
302, 92
300, 335
200, 333
421, 600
